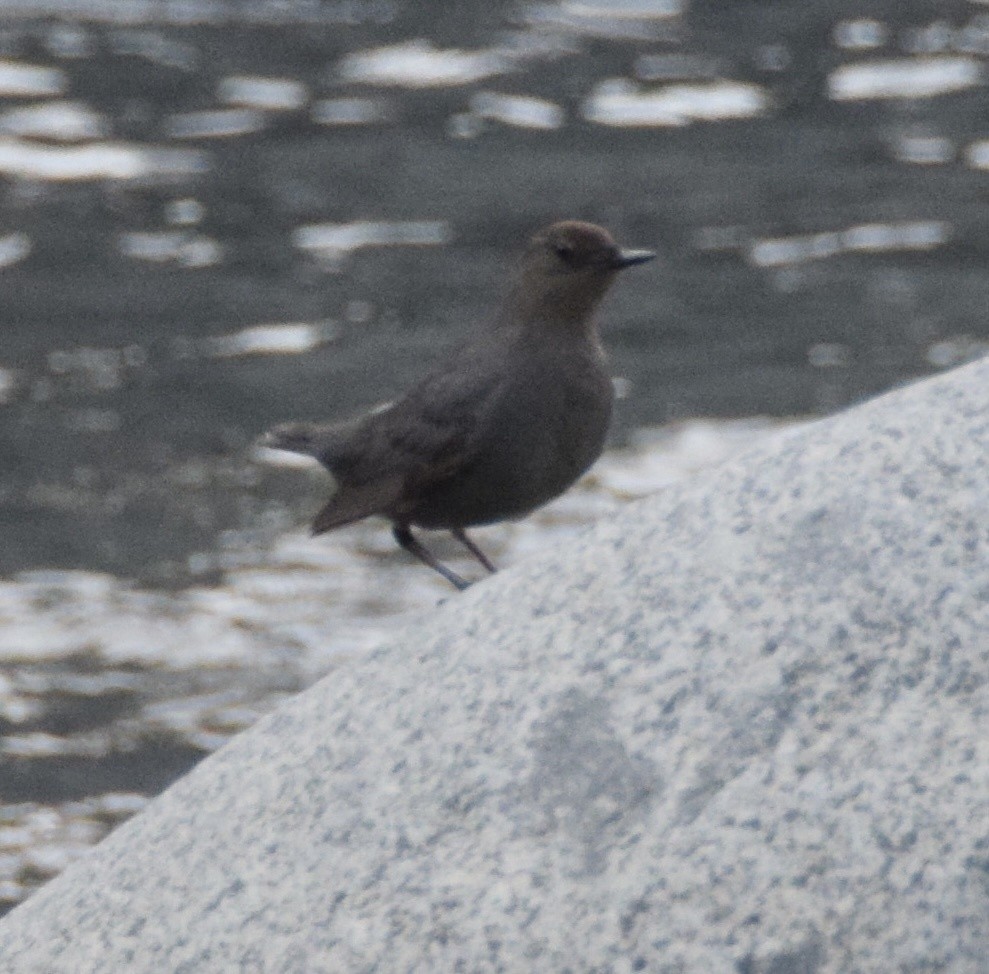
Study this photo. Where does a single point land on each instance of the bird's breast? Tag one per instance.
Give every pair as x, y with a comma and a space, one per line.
546, 426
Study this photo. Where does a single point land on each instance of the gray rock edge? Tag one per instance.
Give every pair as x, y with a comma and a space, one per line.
740, 726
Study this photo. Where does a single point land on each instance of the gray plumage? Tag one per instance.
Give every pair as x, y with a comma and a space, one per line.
506, 424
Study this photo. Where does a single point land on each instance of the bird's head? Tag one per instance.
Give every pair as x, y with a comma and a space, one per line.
566, 271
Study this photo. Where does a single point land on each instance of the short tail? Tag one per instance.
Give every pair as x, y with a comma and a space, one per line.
294, 437
333, 447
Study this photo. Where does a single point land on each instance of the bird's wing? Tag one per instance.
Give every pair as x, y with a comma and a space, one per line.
350, 503
388, 457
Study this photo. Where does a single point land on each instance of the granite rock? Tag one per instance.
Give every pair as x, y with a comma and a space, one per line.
739, 727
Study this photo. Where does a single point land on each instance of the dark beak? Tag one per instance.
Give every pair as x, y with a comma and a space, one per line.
626, 258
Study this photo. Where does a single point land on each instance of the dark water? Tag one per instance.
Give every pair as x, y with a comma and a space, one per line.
92, 448
824, 235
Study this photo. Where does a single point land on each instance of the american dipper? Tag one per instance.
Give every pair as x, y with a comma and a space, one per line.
506, 424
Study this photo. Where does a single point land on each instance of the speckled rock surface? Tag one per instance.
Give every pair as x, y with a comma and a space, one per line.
741, 727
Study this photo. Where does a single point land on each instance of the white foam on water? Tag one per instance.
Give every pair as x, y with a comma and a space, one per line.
171, 246
157, 246
14, 247
200, 251
106, 160
418, 64
268, 94
923, 150
335, 240
977, 154
68, 41
66, 121
907, 235
165, 164
19, 80
612, 19
41, 745
275, 339
184, 212
191, 13
779, 251
624, 9
860, 34
619, 103
917, 77
38, 841
96, 161
520, 111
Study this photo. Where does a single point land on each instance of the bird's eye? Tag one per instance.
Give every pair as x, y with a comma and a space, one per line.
563, 251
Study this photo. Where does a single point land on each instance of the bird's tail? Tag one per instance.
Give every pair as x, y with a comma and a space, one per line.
329, 443
333, 446
294, 437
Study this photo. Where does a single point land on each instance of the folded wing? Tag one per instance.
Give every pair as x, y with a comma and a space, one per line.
383, 460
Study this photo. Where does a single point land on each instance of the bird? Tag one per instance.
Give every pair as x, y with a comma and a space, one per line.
503, 426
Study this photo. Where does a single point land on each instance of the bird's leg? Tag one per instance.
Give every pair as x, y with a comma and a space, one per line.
404, 537
461, 535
